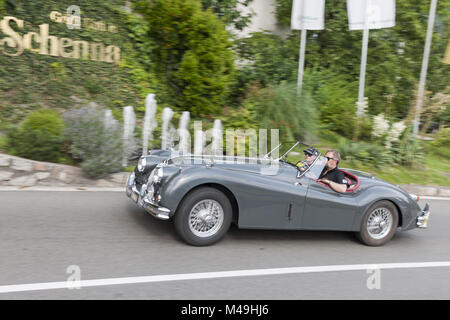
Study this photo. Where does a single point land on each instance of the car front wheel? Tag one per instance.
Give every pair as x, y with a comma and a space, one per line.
203, 217
379, 224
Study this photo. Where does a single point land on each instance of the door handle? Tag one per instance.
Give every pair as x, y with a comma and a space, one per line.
290, 211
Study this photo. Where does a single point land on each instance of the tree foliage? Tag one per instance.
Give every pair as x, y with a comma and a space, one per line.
394, 55
228, 11
193, 54
266, 59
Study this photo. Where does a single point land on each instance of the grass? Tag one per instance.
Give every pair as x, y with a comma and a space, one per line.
432, 173
3, 143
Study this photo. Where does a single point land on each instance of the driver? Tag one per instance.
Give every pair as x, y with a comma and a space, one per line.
310, 155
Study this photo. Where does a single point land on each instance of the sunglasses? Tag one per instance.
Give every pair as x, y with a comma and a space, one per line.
330, 158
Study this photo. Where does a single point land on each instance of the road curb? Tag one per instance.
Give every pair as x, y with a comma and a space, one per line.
431, 191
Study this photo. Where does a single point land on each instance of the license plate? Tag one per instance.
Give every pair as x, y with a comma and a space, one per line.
134, 196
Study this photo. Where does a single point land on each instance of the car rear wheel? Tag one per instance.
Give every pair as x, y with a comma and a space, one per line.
203, 217
379, 224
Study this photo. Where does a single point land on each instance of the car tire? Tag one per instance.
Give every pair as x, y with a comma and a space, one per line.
203, 217
379, 224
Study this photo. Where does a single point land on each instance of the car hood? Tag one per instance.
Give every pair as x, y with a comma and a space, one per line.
367, 180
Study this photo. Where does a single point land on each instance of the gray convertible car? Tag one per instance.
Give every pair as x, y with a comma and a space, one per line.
205, 194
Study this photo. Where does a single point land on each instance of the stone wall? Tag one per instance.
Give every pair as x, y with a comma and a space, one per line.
15, 171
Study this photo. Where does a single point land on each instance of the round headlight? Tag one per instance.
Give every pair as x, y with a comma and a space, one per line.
141, 164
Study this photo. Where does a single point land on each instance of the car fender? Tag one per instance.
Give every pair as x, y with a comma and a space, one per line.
178, 185
373, 194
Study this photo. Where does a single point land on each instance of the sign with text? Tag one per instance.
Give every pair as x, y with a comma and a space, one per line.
378, 13
41, 42
308, 14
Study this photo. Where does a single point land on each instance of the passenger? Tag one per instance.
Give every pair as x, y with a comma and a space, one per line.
331, 175
310, 155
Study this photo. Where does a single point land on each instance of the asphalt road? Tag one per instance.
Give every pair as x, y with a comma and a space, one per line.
107, 236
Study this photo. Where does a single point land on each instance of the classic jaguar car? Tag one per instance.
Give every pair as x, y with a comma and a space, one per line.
205, 194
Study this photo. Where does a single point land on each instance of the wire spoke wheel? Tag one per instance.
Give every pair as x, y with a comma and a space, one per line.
206, 218
379, 223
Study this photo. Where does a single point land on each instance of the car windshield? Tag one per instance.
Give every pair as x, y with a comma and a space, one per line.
317, 168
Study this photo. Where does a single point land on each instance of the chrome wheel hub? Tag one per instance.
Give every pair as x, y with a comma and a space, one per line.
379, 223
206, 218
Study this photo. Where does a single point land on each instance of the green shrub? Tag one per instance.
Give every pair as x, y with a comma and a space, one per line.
39, 137
409, 151
97, 145
364, 152
336, 102
239, 118
279, 107
441, 143
405, 152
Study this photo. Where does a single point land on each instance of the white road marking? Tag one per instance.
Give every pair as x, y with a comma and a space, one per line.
216, 275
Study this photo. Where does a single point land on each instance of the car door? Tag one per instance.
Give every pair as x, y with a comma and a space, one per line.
326, 209
271, 202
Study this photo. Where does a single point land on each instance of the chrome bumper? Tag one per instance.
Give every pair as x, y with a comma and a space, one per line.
422, 219
142, 201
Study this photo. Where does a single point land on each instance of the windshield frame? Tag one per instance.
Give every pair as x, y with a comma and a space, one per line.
299, 172
321, 165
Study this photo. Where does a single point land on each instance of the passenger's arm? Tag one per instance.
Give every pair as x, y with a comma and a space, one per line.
338, 186
335, 186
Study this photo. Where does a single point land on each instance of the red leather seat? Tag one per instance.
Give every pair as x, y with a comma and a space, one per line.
353, 181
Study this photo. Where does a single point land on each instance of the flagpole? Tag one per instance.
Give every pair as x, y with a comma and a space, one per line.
301, 62
306, 14
301, 59
362, 71
423, 72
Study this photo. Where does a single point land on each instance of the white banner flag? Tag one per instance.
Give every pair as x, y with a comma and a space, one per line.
380, 14
308, 14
